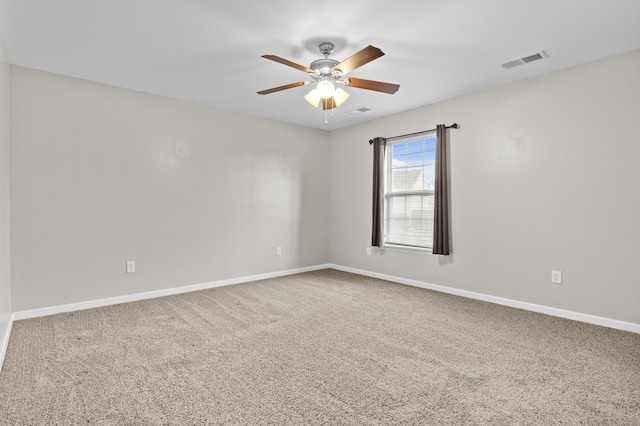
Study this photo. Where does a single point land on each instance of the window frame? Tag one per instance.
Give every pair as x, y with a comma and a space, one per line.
389, 194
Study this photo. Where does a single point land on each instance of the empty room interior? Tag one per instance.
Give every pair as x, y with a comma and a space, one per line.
319, 213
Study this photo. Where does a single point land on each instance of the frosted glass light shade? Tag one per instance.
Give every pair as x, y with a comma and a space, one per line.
339, 96
313, 97
326, 89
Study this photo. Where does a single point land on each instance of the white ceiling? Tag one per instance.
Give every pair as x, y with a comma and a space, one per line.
209, 51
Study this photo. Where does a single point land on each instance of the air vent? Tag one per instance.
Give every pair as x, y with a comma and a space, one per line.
525, 60
513, 63
532, 58
358, 110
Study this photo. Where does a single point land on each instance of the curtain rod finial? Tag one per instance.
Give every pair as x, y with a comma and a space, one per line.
455, 126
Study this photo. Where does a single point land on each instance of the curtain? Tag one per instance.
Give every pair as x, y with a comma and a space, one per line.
377, 237
441, 201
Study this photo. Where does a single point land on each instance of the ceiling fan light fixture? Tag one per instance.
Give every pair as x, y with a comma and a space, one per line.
339, 97
326, 89
313, 97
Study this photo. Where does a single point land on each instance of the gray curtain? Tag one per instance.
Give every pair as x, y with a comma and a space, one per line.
377, 237
441, 201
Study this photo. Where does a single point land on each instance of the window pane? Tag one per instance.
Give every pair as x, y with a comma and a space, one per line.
399, 155
398, 207
397, 217
430, 149
415, 180
414, 232
397, 229
399, 180
415, 153
427, 226
429, 177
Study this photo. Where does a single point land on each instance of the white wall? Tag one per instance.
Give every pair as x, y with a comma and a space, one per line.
5, 261
544, 175
102, 175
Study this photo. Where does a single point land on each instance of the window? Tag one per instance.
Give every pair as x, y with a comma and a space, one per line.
409, 192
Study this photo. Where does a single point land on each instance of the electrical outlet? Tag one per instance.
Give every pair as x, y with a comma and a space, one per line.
556, 277
278, 251
131, 266
368, 251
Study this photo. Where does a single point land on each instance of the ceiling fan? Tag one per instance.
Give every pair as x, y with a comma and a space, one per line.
327, 73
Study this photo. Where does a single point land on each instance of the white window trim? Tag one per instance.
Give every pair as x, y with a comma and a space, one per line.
388, 160
407, 249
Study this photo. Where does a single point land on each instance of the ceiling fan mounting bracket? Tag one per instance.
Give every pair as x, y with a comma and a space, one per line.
326, 48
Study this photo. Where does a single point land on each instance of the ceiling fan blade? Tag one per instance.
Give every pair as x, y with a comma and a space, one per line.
279, 88
358, 59
288, 63
378, 86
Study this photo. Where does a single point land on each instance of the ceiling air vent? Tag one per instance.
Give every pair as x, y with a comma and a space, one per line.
525, 60
358, 110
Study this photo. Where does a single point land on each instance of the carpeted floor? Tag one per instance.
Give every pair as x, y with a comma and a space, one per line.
323, 347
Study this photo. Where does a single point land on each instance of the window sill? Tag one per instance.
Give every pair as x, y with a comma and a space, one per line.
407, 249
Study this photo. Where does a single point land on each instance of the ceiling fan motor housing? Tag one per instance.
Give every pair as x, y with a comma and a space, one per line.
322, 67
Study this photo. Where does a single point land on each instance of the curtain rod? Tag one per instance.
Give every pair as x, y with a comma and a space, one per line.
453, 126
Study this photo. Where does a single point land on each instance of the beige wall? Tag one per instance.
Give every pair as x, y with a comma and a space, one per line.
102, 175
5, 262
544, 175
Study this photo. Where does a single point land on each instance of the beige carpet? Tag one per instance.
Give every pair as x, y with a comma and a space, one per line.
323, 347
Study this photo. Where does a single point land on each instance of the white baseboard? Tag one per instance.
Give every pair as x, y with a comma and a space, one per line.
577, 316
591, 319
5, 342
52, 310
